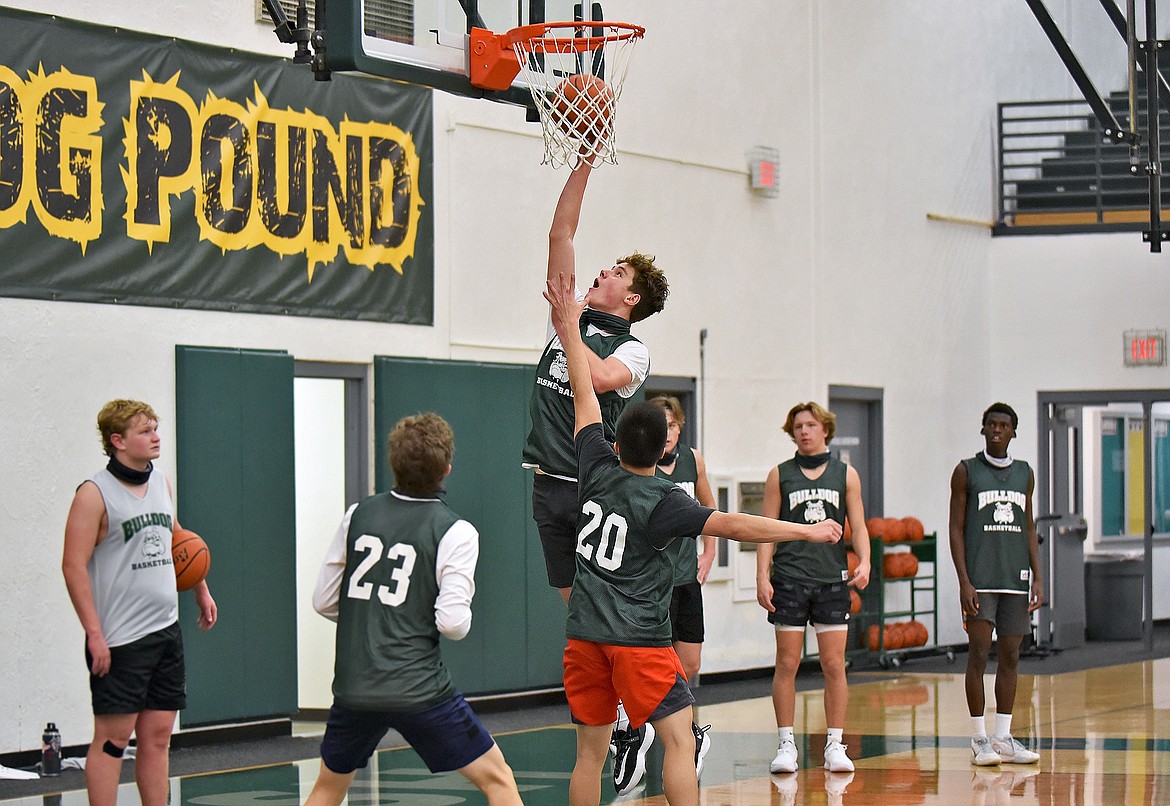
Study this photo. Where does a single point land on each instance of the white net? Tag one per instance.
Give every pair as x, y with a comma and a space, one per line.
575, 72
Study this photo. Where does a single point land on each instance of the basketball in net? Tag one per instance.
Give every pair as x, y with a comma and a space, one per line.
575, 71
583, 107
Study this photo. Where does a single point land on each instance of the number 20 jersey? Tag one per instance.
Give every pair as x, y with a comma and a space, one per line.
387, 641
621, 594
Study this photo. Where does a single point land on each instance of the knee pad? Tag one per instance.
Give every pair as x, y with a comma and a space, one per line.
111, 749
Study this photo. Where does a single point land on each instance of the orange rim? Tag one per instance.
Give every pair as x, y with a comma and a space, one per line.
527, 36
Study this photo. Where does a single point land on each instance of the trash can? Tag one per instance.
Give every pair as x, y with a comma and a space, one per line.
1113, 597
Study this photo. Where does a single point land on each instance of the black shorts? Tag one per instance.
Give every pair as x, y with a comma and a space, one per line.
145, 675
447, 736
555, 508
798, 604
686, 613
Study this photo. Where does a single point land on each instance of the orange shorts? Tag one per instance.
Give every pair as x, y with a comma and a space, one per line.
649, 680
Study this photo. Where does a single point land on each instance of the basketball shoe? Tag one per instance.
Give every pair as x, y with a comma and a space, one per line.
1010, 751
702, 745
836, 759
785, 760
983, 752
629, 762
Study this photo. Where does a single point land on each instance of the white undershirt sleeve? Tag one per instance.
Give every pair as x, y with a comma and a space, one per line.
327, 594
455, 572
636, 357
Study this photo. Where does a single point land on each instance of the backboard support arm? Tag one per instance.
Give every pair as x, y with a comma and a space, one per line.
1113, 129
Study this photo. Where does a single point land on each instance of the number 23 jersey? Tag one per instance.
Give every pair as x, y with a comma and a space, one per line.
621, 594
389, 599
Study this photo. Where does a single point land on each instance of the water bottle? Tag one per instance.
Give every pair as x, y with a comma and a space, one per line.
51, 751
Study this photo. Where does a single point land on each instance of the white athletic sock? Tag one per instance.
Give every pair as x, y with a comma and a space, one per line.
1003, 725
835, 735
979, 726
785, 734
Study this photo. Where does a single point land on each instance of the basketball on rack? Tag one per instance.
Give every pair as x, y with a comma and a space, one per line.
584, 106
191, 557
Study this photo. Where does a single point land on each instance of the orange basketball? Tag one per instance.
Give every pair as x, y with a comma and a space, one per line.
914, 528
875, 526
852, 560
895, 530
584, 105
854, 601
191, 557
910, 566
890, 567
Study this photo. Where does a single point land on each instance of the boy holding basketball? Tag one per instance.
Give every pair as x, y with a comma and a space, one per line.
399, 573
118, 571
618, 627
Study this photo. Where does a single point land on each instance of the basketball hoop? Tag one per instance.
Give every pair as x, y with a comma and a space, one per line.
575, 72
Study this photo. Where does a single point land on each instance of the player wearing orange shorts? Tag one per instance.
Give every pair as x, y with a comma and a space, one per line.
619, 611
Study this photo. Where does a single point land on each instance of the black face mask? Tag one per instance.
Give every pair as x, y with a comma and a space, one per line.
129, 474
668, 458
812, 462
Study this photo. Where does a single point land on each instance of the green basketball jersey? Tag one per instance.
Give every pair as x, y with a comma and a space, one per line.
805, 500
550, 407
995, 531
684, 553
387, 640
621, 594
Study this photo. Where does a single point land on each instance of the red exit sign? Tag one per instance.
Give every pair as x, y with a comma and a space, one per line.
1145, 348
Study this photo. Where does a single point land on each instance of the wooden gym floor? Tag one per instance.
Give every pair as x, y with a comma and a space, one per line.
1103, 735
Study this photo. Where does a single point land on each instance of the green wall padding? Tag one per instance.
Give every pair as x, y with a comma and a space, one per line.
518, 626
235, 487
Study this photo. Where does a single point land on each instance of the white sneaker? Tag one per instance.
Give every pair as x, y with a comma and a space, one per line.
835, 758
785, 760
983, 753
1010, 751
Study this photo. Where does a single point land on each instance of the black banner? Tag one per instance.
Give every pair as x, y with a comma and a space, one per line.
150, 171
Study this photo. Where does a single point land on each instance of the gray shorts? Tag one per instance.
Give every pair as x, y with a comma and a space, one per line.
1007, 611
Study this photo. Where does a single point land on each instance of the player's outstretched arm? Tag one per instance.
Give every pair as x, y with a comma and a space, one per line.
561, 256
755, 529
566, 318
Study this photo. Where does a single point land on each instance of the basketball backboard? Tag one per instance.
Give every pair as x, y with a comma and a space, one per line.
426, 41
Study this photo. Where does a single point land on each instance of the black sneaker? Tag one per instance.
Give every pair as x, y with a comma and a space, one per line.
629, 762
702, 745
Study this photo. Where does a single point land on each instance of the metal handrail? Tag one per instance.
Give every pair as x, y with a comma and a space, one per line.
1056, 162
